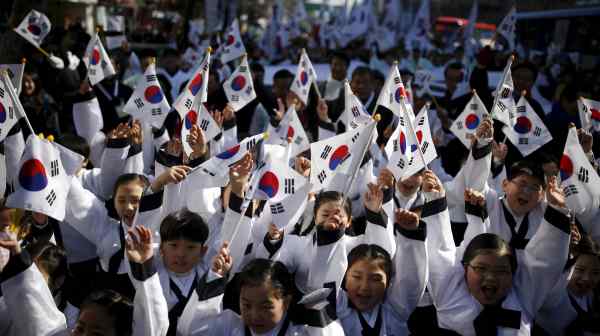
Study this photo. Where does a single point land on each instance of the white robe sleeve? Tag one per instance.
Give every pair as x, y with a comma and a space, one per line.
87, 118
474, 174
14, 146
86, 213
237, 230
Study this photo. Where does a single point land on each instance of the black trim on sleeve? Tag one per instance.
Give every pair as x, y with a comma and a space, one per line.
480, 152
198, 161
143, 271
117, 143
248, 249
476, 210
377, 218
151, 201
496, 168
134, 149
271, 247
235, 202
80, 98
388, 194
17, 264
158, 132
15, 129
229, 124
434, 207
325, 237
419, 234
212, 289
327, 125
167, 160
558, 219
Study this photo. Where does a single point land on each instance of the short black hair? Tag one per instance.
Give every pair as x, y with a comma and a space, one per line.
260, 271
490, 242
526, 65
333, 196
255, 66
283, 74
130, 177
53, 260
372, 252
184, 224
116, 305
341, 55
454, 66
170, 52
527, 167
361, 71
75, 143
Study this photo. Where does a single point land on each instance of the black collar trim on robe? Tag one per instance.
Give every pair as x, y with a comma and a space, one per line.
115, 260
182, 301
324, 237
367, 330
212, 289
494, 316
518, 240
585, 321
272, 248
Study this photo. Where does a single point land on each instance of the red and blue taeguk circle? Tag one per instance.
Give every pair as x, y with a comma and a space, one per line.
33, 175
595, 114
472, 121
153, 94
400, 92
419, 135
190, 119
95, 56
303, 77
34, 29
238, 83
523, 125
196, 84
230, 39
269, 184
566, 167
339, 155
290, 132
402, 142
2, 113
229, 153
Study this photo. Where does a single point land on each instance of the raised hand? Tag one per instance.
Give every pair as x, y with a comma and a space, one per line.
386, 179
139, 244
239, 174
197, 142
173, 175
554, 193
11, 243
322, 111
485, 130
280, 111
119, 132
474, 197
222, 261
499, 151
174, 147
135, 132
228, 113
373, 197
431, 183
302, 166
586, 140
405, 219
218, 116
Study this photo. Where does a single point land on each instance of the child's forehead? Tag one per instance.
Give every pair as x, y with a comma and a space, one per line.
331, 204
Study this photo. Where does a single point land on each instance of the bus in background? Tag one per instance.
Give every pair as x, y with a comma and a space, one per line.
450, 27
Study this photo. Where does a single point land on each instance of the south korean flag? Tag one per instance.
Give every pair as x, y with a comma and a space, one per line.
289, 127
239, 88
196, 88
8, 113
34, 28
504, 103
275, 180
198, 115
42, 184
589, 114
15, 73
233, 47
305, 77
507, 27
526, 131
579, 180
466, 123
219, 164
97, 61
392, 92
339, 156
354, 113
290, 208
148, 102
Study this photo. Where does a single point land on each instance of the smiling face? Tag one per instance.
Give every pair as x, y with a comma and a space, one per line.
127, 200
523, 193
366, 282
181, 255
332, 216
585, 276
262, 307
489, 277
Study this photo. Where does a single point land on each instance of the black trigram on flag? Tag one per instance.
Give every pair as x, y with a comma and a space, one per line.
395, 143
501, 106
289, 186
188, 103
424, 146
326, 152
235, 98
322, 176
505, 92
103, 64
1, 93
397, 80
156, 112
355, 137
138, 102
474, 106
521, 109
54, 168
570, 190
277, 208
298, 140
250, 144
249, 90
400, 163
523, 141
51, 197
583, 175
150, 78
204, 124
243, 68
421, 121
459, 125
537, 131
208, 171
401, 121
355, 111
92, 72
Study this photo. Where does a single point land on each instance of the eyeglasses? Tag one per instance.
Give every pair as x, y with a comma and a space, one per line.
482, 271
535, 188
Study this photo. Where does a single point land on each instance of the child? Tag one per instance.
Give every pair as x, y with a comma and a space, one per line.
103, 313
482, 291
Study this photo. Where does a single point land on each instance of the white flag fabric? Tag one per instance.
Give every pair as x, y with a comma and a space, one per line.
421, 28
239, 88
2, 172
276, 180
196, 88
469, 32
504, 103
578, 178
507, 27
354, 113
233, 47
115, 23
71, 161
589, 114
198, 115
423, 81
148, 102
466, 123
526, 131
8, 110
42, 184
219, 164
305, 77
289, 127
15, 73
337, 155
97, 61
34, 27
358, 22
289, 209
392, 91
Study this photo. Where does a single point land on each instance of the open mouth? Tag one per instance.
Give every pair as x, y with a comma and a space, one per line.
489, 292
522, 201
